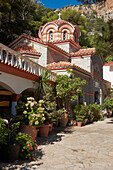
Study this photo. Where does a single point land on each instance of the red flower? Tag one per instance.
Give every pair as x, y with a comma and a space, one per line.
36, 146
31, 148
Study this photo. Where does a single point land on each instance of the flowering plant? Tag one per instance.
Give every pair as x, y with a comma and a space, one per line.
74, 122
27, 146
33, 113
3, 131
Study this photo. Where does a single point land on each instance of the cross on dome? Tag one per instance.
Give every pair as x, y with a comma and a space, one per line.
59, 16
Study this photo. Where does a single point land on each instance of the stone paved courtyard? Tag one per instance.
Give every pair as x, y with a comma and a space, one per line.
87, 148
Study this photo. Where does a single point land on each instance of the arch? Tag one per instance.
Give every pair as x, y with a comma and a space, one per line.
66, 27
96, 71
7, 87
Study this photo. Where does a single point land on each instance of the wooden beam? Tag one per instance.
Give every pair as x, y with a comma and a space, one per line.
4, 103
8, 93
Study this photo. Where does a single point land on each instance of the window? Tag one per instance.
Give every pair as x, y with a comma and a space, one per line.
65, 35
51, 36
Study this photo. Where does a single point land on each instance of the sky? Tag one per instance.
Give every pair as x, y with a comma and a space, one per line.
59, 3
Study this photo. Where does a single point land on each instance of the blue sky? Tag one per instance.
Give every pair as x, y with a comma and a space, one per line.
59, 3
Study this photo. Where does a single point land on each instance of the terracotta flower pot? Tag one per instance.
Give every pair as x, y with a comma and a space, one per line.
91, 120
44, 130
63, 122
10, 153
109, 113
30, 130
79, 124
50, 127
85, 121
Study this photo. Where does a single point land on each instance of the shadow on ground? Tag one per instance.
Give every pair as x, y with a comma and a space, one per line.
55, 136
110, 121
25, 164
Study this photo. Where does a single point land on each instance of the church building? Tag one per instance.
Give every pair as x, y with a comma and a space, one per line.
57, 49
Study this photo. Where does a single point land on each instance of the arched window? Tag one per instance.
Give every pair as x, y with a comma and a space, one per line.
51, 36
96, 73
65, 35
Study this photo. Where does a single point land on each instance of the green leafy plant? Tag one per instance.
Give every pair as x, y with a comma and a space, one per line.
52, 115
27, 146
94, 111
3, 131
69, 87
79, 114
108, 103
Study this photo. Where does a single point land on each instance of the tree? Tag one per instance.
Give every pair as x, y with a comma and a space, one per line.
90, 1
68, 87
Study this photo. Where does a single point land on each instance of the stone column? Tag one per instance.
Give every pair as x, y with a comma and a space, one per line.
100, 96
15, 98
1, 54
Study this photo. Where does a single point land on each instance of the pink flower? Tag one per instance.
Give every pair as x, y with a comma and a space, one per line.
27, 142
36, 146
35, 154
29, 157
28, 145
6, 121
32, 104
31, 148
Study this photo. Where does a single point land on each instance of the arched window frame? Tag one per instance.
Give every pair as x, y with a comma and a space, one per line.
96, 72
50, 36
64, 35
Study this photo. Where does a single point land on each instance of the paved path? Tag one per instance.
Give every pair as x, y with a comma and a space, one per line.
87, 148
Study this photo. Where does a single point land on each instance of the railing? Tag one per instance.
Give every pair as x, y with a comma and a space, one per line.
7, 55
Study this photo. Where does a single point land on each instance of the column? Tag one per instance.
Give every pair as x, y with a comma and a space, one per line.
1, 54
6, 58
12, 59
100, 96
15, 98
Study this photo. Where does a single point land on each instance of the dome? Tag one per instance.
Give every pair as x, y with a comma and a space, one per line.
59, 30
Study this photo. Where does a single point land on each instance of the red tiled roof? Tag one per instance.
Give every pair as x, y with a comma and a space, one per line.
25, 48
24, 36
59, 64
84, 51
108, 64
63, 64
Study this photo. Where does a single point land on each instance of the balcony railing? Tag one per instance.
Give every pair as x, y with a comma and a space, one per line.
7, 55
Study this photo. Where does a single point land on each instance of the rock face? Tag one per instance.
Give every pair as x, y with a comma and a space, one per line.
103, 10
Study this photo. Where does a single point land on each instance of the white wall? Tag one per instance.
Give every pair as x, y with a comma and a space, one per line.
16, 84
108, 73
84, 62
43, 50
64, 46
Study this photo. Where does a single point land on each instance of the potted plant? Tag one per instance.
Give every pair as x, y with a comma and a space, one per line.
84, 110
94, 112
64, 119
32, 117
27, 146
10, 149
68, 87
79, 114
108, 105
91, 117
74, 122
79, 120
